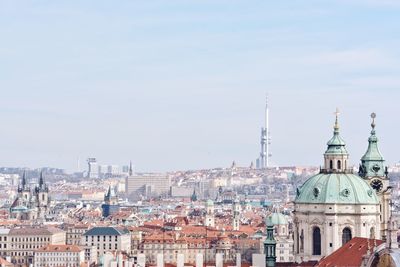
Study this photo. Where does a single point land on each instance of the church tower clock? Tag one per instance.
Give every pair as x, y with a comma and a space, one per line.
373, 170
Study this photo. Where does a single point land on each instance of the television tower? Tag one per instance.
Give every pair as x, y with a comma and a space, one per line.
263, 160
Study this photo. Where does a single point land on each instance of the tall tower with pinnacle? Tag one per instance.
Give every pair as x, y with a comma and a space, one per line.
374, 171
263, 160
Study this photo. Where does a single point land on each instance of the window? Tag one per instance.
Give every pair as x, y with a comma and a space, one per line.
331, 164
346, 235
316, 241
330, 224
372, 233
339, 164
302, 241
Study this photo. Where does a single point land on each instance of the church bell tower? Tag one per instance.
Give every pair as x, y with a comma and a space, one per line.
374, 171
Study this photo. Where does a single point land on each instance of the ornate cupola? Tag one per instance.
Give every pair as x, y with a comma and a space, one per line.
336, 155
372, 163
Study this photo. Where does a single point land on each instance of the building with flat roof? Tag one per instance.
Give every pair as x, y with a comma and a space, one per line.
146, 185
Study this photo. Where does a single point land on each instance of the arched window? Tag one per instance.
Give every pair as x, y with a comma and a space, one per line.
331, 164
345, 164
339, 164
316, 241
302, 241
372, 233
346, 235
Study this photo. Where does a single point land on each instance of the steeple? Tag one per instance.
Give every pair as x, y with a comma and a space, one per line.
372, 163
193, 198
111, 196
23, 185
270, 245
41, 180
336, 155
41, 187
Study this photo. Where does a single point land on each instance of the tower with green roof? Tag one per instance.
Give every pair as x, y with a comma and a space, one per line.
373, 170
333, 206
270, 245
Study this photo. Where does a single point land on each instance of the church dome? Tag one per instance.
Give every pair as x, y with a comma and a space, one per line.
277, 218
336, 183
336, 188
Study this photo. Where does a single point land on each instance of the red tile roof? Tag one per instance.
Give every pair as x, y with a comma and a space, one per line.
350, 254
60, 248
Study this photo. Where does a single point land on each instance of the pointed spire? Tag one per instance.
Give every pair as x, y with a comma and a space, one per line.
41, 180
336, 140
108, 194
193, 198
23, 183
336, 150
336, 126
372, 163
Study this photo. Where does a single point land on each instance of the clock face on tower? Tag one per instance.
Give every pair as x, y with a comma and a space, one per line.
377, 185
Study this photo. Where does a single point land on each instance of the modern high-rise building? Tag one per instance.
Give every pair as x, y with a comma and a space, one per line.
93, 168
263, 160
147, 185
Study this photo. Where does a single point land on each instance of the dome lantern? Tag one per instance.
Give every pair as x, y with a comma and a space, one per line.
336, 155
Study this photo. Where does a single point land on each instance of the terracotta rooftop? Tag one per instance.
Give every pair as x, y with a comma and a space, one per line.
60, 248
35, 231
350, 254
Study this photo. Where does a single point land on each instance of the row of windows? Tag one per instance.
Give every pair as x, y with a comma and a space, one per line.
57, 253
346, 237
30, 239
27, 246
104, 238
57, 259
104, 246
3, 238
316, 239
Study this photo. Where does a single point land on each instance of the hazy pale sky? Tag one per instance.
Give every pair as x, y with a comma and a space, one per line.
181, 84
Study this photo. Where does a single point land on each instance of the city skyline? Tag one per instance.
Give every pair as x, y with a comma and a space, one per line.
181, 85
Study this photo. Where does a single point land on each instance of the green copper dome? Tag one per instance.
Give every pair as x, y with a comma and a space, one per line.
335, 184
336, 188
277, 218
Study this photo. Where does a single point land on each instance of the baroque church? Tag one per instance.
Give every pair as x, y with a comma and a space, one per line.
335, 205
30, 204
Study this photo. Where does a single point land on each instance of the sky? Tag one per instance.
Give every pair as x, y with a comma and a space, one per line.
176, 85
